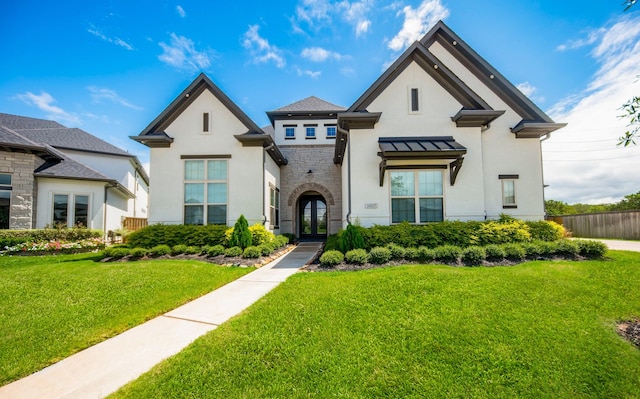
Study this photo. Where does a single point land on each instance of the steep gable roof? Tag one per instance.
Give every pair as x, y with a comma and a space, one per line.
25, 122
154, 134
72, 139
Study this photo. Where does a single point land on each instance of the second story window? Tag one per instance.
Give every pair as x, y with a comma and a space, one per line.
331, 132
289, 132
311, 132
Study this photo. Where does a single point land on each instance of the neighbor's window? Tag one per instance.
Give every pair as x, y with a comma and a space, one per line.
509, 191
71, 210
205, 192
289, 132
417, 196
331, 132
274, 207
5, 200
311, 132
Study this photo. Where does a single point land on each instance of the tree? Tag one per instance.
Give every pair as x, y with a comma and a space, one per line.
241, 236
630, 202
558, 208
632, 111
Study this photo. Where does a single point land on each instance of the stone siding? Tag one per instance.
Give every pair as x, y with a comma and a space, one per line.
295, 180
20, 166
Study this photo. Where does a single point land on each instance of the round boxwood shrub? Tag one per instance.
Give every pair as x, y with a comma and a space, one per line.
568, 248
331, 258
592, 249
379, 255
356, 256
473, 255
215, 250
411, 253
116, 252
532, 249
251, 252
426, 254
178, 249
160, 250
233, 251
495, 252
192, 250
448, 253
514, 251
548, 248
397, 252
266, 249
280, 241
139, 252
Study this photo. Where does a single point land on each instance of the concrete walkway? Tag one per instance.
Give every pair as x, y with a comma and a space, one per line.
621, 245
101, 369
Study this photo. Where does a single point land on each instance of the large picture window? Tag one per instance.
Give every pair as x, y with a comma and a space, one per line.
71, 210
417, 196
5, 200
205, 192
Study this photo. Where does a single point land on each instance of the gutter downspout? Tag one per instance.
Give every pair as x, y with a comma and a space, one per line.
346, 133
545, 137
104, 212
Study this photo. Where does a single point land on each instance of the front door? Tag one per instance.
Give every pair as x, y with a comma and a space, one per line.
313, 217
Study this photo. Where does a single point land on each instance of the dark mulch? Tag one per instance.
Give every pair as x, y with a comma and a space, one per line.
630, 329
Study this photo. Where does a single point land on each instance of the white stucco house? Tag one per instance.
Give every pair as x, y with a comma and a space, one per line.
51, 174
440, 135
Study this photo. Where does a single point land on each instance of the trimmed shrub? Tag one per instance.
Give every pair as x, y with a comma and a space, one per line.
290, 236
171, 235
160, 250
116, 252
397, 252
351, 238
281, 241
545, 230
241, 236
233, 251
548, 248
411, 253
509, 231
332, 243
568, 248
266, 249
532, 249
514, 251
9, 238
379, 255
426, 254
192, 250
448, 253
138, 252
178, 249
473, 255
495, 252
215, 250
356, 256
331, 258
251, 252
592, 249
260, 235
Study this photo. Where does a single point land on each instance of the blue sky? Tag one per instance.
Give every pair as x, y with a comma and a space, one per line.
110, 67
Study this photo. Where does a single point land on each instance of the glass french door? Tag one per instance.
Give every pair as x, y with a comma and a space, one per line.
313, 217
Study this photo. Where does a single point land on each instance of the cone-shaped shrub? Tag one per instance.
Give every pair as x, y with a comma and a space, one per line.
241, 236
351, 238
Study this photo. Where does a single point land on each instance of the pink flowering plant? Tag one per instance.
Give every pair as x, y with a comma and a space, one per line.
54, 246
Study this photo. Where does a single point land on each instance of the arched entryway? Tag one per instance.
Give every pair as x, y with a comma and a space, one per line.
312, 216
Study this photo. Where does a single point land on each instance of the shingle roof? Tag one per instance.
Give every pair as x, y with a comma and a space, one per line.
310, 104
72, 169
24, 122
70, 138
8, 136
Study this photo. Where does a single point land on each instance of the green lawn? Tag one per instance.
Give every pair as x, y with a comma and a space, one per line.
536, 330
53, 306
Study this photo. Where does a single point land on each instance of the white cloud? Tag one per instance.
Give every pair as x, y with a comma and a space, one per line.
592, 37
182, 54
311, 74
530, 91
181, 11
582, 161
260, 48
115, 40
355, 13
320, 13
44, 101
98, 94
310, 11
417, 22
318, 54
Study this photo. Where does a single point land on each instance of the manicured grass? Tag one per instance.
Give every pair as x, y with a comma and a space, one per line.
536, 330
53, 306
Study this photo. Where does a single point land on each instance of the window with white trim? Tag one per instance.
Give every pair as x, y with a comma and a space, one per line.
274, 207
5, 200
289, 132
508, 183
205, 191
331, 131
71, 210
311, 132
417, 196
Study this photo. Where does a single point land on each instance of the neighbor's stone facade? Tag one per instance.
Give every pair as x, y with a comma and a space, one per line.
20, 166
295, 180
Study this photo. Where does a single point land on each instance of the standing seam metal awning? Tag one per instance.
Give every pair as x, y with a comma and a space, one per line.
422, 147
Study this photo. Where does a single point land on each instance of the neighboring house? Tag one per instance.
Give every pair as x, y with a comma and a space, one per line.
441, 135
51, 174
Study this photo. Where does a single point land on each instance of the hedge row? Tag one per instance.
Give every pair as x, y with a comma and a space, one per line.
460, 234
10, 238
472, 255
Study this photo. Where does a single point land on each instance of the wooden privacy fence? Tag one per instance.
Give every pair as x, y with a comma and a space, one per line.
133, 224
622, 225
